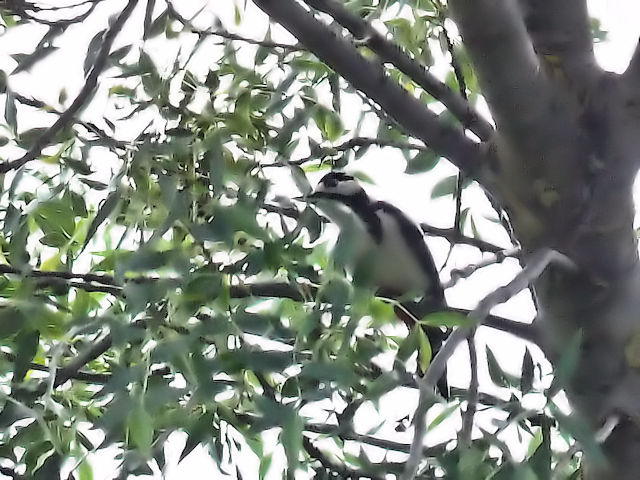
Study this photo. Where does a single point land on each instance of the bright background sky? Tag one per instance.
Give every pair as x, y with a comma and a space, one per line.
620, 18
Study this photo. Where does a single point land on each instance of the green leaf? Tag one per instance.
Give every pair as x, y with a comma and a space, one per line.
422, 162
446, 186
265, 464
424, 349
568, 361
140, 427
10, 112
442, 416
105, 210
498, 376
85, 471
526, 380
56, 219
329, 123
28, 60
92, 51
26, 347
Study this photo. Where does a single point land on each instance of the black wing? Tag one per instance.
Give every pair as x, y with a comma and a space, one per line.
416, 243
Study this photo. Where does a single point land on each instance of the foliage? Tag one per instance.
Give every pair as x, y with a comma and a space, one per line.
156, 283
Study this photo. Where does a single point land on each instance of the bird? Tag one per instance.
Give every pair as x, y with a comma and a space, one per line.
379, 243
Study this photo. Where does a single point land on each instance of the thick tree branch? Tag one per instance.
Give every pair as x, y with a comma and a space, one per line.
508, 69
392, 53
370, 77
561, 34
83, 96
632, 74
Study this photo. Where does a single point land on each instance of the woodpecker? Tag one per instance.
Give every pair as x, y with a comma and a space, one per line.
384, 245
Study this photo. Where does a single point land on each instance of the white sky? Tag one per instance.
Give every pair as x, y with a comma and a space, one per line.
621, 18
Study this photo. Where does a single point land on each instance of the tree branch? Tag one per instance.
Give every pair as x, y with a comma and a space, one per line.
173, 13
561, 33
451, 235
85, 92
371, 78
319, 152
534, 268
392, 53
459, 273
508, 69
298, 292
632, 75
472, 393
21, 9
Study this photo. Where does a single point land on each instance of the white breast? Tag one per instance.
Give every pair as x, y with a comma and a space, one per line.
389, 264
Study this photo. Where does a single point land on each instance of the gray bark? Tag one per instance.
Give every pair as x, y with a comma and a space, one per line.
562, 163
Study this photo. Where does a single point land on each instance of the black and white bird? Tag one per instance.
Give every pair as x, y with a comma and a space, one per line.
379, 240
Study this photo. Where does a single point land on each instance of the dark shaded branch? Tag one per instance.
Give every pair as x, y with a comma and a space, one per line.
392, 53
318, 152
371, 78
472, 393
465, 272
22, 8
632, 75
89, 126
173, 13
85, 92
450, 234
9, 472
72, 369
89, 377
561, 32
508, 69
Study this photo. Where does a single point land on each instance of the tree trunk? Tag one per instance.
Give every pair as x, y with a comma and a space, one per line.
561, 162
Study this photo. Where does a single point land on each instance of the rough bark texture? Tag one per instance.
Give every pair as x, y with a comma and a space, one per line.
562, 162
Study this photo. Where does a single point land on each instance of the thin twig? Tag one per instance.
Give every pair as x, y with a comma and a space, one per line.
460, 273
319, 153
472, 393
84, 94
228, 35
450, 235
22, 8
89, 126
534, 268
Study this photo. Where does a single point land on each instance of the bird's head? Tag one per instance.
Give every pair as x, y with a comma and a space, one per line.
339, 186
339, 196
